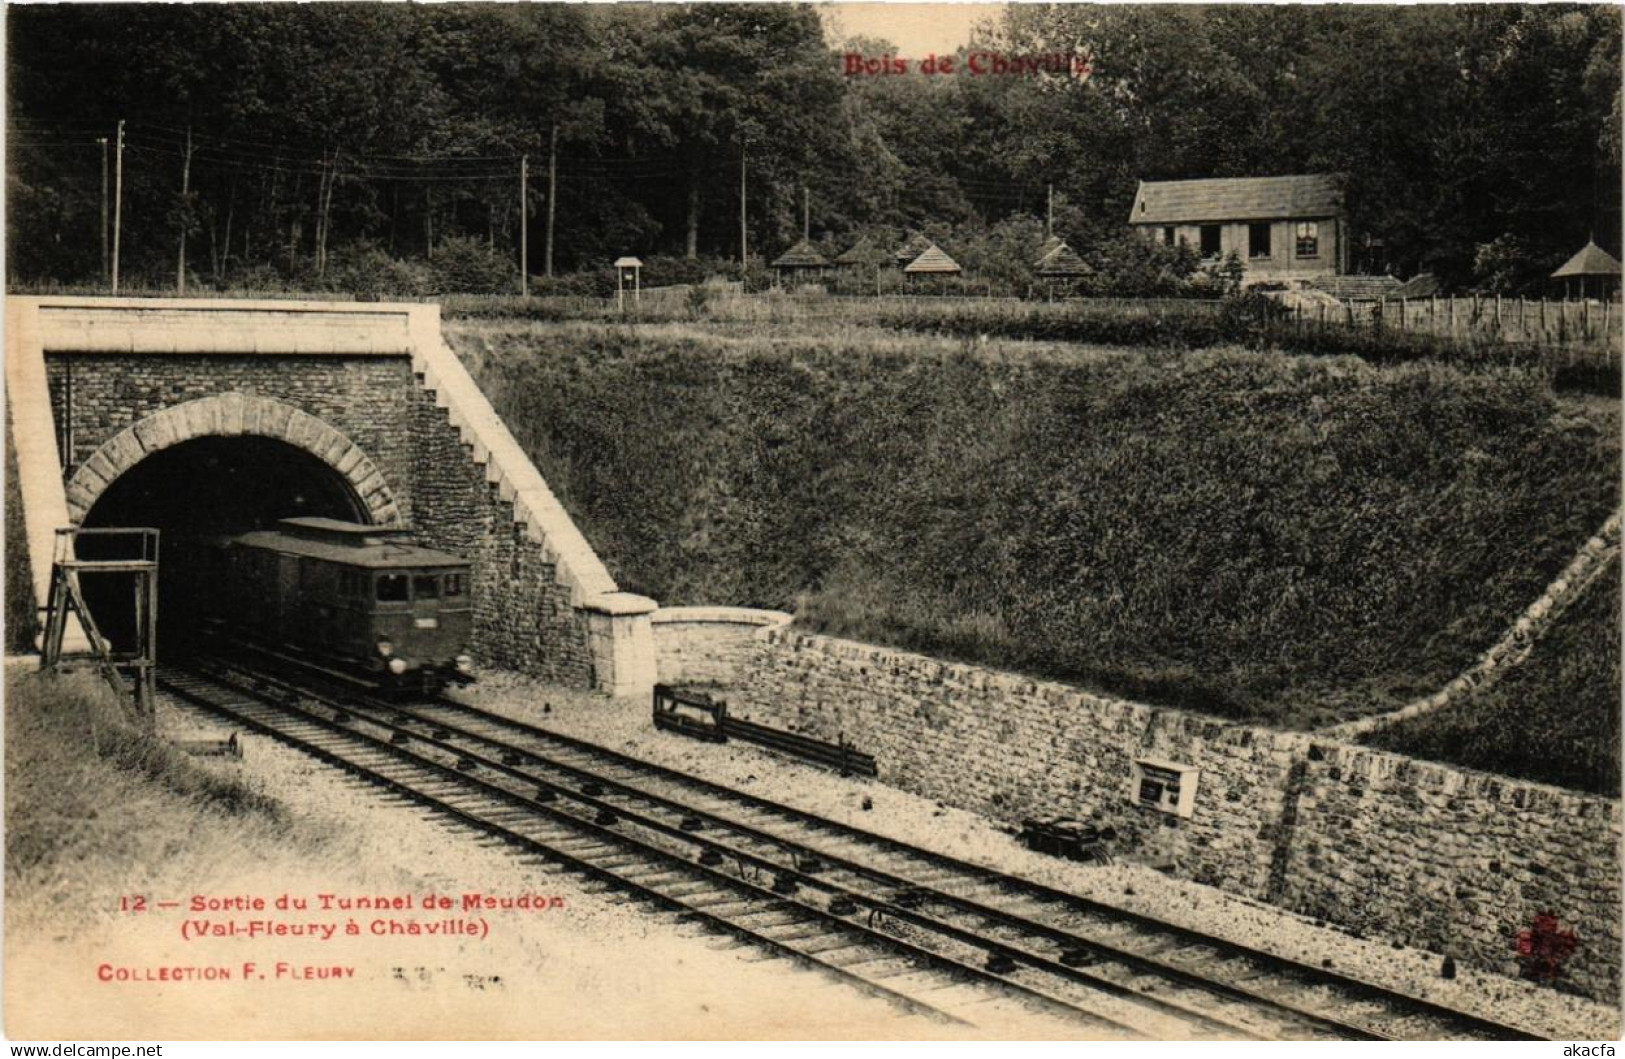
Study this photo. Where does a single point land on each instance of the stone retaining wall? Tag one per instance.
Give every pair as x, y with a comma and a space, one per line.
1451, 860
708, 645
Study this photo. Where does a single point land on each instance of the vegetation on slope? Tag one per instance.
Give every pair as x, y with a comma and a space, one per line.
1554, 719
1254, 535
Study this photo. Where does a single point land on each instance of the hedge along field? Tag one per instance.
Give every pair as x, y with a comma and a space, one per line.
1554, 719
1254, 535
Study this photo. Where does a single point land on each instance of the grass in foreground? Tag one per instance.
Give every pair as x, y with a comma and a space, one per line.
97, 807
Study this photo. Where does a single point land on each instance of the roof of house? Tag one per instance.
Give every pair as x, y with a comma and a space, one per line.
1592, 260
1357, 288
933, 260
912, 247
1236, 199
802, 255
1062, 260
862, 252
627, 262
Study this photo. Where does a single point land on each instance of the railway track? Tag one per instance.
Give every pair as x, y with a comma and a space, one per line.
927, 932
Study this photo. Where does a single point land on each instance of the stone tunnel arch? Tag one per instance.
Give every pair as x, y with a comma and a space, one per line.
232, 415
218, 465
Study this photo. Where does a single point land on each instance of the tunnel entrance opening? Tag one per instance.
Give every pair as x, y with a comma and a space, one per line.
195, 492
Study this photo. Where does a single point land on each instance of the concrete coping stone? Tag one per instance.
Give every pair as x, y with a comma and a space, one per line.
721, 616
620, 604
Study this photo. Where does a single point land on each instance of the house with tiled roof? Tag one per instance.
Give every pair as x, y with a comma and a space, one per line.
1281, 228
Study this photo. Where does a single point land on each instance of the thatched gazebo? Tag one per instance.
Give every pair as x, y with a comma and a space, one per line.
862, 254
1062, 262
932, 262
800, 261
912, 247
1592, 272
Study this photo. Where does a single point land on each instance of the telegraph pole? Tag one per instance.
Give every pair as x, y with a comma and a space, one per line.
806, 213
742, 211
102, 142
552, 191
524, 229
118, 201
1049, 216
185, 213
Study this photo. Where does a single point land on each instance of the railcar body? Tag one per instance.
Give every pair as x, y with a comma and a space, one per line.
358, 598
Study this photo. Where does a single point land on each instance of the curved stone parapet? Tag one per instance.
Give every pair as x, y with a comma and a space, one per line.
709, 645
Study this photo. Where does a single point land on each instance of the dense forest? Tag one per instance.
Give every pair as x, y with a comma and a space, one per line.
269, 145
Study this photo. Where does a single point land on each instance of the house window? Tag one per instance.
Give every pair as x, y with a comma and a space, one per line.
1210, 240
1258, 240
1168, 236
1308, 239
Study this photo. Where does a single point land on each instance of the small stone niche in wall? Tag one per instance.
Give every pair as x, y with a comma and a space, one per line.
1166, 786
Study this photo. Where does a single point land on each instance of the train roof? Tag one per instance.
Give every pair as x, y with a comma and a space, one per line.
347, 543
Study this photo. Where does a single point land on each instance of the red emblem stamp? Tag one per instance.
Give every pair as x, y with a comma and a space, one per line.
1543, 948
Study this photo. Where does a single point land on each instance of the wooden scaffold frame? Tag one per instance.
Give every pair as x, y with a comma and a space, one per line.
67, 600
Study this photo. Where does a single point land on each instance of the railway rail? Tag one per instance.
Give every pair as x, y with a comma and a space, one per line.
925, 931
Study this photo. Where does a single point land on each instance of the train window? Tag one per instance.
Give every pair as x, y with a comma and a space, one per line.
394, 588
454, 585
426, 586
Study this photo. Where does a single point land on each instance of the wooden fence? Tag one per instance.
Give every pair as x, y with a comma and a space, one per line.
1513, 321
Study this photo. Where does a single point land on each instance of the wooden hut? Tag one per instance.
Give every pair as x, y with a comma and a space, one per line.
912, 247
863, 255
1061, 262
932, 262
1593, 272
800, 262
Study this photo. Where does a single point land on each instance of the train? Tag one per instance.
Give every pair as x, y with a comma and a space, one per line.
357, 601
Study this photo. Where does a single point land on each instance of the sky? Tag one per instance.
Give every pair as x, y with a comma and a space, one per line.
918, 30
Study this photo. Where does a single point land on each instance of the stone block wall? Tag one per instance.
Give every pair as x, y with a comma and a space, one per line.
1452, 860
367, 397
523, 615
708, 645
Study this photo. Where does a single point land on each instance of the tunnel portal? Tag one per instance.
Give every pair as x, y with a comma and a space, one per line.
193, 492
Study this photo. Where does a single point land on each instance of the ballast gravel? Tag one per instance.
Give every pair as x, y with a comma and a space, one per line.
626, 726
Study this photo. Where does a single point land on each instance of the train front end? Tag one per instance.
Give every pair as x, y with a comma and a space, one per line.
421, 622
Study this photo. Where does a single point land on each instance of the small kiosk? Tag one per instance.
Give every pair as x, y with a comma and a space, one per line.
627, 274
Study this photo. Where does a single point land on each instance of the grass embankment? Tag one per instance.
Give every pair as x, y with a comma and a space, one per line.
1554, 719
1259, 536
96, 808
